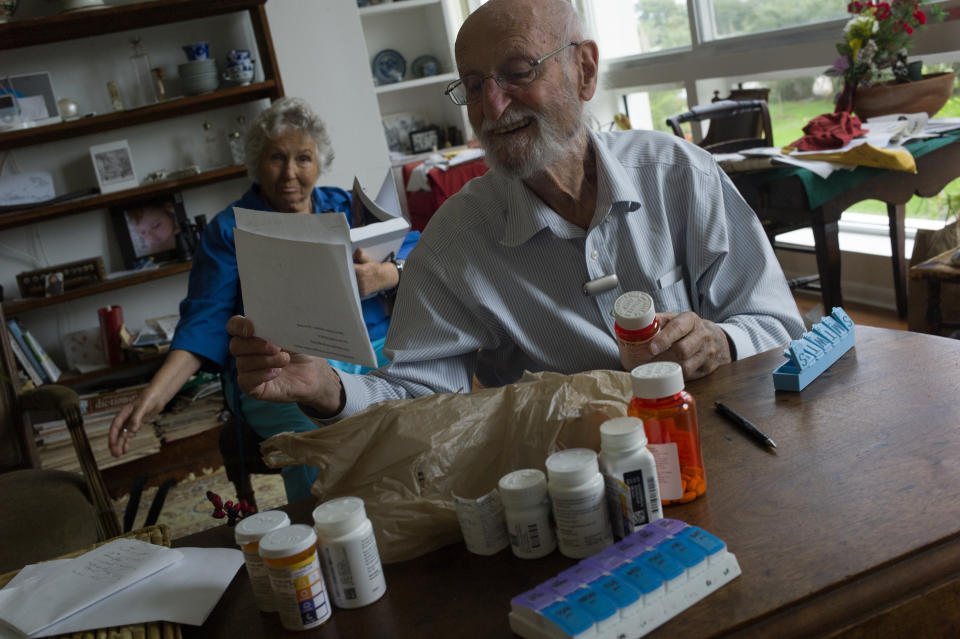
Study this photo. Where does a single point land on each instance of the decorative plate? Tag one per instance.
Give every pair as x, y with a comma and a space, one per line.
389, 66
425, 65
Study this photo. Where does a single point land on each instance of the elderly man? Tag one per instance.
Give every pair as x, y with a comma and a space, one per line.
495, 286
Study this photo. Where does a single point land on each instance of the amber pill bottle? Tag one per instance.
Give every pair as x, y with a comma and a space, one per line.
669, 416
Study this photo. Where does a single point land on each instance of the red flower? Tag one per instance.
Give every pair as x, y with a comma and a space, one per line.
909, 29
920, 16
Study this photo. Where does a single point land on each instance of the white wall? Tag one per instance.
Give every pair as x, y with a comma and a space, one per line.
322, 58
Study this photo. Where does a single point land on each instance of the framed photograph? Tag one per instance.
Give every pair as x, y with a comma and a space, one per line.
398, 126
113, 165
424, 140
33, 97
147, 230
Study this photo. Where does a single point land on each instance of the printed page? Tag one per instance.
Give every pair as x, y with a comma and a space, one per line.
81, 582
382, 239
298, 283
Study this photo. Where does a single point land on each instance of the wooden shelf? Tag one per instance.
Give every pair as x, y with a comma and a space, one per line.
147, 364
117, 120
14, 307
61, 209
81, 24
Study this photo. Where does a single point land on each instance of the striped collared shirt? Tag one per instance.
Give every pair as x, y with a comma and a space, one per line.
494, 286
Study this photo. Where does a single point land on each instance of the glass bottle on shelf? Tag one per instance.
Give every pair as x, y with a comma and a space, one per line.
211, 146
144, 92
235, 141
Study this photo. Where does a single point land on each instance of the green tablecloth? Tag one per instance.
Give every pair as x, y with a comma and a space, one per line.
821, 190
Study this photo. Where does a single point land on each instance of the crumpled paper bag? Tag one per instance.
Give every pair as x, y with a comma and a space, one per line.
404, 458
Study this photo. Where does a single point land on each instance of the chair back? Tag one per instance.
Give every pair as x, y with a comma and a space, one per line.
728, 131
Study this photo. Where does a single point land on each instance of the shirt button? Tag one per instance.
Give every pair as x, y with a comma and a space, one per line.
594, 255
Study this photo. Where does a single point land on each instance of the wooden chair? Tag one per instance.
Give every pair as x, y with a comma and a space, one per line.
728, 133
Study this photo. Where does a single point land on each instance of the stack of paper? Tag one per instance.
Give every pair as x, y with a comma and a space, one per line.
122, 582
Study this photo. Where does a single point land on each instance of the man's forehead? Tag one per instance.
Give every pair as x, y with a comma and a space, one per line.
482, 50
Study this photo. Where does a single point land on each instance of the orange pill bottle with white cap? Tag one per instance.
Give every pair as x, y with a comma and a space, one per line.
635, 323
669, 416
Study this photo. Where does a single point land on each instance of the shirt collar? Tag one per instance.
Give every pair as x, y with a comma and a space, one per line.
528, 215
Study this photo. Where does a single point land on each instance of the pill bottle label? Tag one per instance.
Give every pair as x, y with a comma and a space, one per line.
259, 578
300, 593
668, 470
531, 537
340, 561
583, 525
633, 354
633, 501
482, 523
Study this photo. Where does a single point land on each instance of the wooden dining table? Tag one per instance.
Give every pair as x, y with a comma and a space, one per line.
850, 528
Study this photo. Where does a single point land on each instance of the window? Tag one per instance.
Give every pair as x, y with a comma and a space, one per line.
730, 18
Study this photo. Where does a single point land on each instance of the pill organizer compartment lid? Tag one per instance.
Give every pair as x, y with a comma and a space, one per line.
634, 311
253, 527
572, 466
338, 516
287, 541
523, 488
622, 434
657, 379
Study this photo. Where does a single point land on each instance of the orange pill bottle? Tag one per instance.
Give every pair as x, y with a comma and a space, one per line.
669, 417
635, 323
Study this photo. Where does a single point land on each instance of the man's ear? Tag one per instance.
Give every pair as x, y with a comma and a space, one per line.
588, 64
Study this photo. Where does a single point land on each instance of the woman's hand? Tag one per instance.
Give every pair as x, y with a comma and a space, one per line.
176, 369
266, 372
131, 417
373, 276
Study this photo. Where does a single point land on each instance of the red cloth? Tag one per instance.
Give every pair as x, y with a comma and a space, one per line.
829, 131
422, 204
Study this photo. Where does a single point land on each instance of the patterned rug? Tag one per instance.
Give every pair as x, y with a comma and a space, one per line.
187, 510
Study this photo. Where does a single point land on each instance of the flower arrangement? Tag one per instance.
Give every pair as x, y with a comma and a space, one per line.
878, 37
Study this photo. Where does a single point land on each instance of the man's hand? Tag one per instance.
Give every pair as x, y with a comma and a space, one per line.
373, 276
698, 345
266, 372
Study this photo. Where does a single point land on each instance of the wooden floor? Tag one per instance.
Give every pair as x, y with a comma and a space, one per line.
859, 313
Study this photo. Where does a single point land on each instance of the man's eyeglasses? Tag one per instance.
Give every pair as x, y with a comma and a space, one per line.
514, 74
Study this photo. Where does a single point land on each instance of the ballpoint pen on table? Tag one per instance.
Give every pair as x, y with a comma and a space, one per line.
744, 424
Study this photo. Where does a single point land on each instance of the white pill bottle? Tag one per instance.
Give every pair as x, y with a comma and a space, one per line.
291, 557
248, 534
527, 510
630, 474
348, 552
576, 489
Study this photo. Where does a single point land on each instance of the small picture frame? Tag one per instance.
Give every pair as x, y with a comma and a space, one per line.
33, 98
148, 230
113, 165
424, 140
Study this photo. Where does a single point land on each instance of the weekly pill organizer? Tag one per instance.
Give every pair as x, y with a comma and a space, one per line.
627, 589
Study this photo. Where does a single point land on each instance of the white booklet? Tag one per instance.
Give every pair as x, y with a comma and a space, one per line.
380, 239
298, 284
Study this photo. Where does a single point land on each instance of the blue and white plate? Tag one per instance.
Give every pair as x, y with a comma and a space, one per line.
425, 65
389, 66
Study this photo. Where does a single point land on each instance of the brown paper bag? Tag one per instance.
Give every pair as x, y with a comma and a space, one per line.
403, 457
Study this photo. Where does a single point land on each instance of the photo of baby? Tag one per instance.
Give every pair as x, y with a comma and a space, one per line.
153, 226
147, 231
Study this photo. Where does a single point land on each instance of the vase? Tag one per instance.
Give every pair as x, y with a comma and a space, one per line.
928, 94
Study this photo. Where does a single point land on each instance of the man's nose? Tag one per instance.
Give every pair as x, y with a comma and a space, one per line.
495, 100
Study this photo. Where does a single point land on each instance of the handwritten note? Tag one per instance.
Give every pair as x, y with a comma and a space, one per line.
53, 595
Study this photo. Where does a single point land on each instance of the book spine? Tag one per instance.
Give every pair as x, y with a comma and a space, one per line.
19, 337
31, 372
51, 369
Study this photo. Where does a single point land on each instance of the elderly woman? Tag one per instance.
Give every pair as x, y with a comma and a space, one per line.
286, 150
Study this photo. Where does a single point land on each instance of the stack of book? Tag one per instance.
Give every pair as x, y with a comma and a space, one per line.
197, 408
55, 448
36, 365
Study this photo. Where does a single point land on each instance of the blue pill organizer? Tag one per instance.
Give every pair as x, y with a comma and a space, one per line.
815, 351
629, 588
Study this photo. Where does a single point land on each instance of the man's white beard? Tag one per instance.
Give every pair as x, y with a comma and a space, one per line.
523, 158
